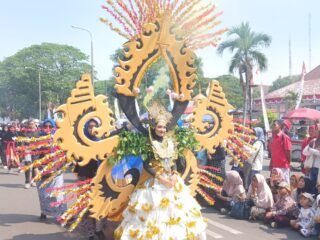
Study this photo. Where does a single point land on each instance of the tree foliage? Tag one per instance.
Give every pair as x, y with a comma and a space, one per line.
245, 45
283, 81
56, 67
233, 93
291, 99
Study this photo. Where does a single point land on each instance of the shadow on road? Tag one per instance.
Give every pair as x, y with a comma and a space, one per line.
6, 220
11, 185
52, 236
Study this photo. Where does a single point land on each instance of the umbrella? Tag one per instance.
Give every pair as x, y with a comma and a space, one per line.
303, 113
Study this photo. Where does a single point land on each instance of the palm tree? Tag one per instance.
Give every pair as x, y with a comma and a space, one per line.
245, 44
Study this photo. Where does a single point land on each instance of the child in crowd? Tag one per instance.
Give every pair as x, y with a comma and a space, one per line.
284, 209
305, 221
304, 185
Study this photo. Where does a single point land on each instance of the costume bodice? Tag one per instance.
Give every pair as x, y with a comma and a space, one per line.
165, 154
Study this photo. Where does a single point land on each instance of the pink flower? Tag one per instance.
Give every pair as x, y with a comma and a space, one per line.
169, 92
174, 95
136, 90
150, 89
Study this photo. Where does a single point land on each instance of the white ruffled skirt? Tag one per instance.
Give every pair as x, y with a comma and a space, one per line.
160, 213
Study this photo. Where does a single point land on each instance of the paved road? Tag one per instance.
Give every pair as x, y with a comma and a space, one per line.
19, 218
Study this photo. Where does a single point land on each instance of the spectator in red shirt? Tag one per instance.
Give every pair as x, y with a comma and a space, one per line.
306, 141
281, 150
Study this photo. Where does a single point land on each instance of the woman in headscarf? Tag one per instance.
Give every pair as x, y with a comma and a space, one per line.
304, 185
255, 162
294, 179
260, 194
48, 127
89, 170
232, 190
274, 180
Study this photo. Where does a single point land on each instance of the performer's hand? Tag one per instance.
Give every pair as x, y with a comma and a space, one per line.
174, 180
165, 182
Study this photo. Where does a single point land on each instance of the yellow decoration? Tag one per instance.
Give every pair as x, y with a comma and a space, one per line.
147, 207
108, 199
191, 171
80, 108
216, 107
174, 221
178, 187
164, 202
191, 224
134, 233
159, 39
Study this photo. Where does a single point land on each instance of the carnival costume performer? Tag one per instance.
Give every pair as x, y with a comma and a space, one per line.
90, 226
45, 197
163, 207
10, 146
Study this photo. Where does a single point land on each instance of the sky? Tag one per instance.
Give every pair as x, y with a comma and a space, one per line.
25, 23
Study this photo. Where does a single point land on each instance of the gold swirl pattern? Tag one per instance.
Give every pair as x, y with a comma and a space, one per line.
82, 106
159, 39
215, 107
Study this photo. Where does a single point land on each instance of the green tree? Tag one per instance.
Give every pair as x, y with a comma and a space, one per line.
283, 81
245, 44
291, 99
55, 66
233, 93
272, 116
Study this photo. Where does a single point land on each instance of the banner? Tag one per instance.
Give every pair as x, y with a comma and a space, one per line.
300, 89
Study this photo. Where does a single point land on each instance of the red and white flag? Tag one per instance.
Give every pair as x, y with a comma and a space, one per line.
300, 89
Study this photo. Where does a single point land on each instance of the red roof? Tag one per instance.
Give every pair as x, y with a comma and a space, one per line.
311, 86
313, 74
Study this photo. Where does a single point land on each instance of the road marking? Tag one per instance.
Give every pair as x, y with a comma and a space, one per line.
213, 234
224, 227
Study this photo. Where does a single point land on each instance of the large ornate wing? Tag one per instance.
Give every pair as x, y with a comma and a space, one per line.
211, 119
110, 198
82, 106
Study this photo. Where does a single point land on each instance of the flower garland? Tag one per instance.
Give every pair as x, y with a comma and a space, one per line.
33, 139
206, 196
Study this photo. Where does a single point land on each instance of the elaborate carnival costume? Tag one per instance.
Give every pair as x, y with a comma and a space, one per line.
158, 211
155, 29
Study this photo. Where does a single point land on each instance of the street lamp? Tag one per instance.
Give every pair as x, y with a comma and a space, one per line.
86, 30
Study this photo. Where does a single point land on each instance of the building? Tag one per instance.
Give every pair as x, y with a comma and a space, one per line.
277, 100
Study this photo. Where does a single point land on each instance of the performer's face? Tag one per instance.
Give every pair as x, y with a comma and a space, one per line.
92, 124
161, 129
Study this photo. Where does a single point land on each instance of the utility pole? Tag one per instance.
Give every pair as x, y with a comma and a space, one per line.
309, 23
290, 59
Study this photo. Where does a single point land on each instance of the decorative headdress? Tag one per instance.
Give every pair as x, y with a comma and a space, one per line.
158, 113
